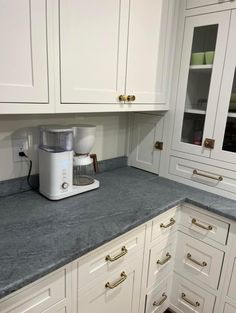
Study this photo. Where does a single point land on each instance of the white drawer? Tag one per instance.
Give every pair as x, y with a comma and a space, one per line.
198, 261
219, 178
113, 292
108, 258
161, 260
189, 298
204, 225
232, 286
164, 224
39, 297
200, 3
158, 299
229, 308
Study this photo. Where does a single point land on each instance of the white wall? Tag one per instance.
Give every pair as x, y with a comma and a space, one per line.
111, 136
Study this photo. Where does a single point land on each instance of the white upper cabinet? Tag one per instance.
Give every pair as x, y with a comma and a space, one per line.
93, 43
200, 3
147, 50
225, 127
23, 53
114, 48
203, 55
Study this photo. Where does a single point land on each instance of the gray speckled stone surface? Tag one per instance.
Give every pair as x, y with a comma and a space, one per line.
38, 236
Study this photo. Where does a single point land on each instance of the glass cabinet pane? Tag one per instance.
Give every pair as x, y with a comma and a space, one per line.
199, 80
229, 143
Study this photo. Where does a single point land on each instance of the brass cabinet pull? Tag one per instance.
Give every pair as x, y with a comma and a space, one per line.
158, 145
122, 98
172, 222
219, 178
209, 143
158, 304
131, 98
124, 251
194, 221
120, 281
168, 257
194, 304
202, 264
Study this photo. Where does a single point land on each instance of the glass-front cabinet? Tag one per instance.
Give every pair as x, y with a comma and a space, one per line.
203, 55
225, 126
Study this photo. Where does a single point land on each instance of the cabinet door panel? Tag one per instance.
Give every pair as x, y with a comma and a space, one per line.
158, 299
96, 297
225, 127
229, 308
148, 40
200, 3
23, 53
93, 40
188, 298
147, 129
232, 286
198, 261
203, 54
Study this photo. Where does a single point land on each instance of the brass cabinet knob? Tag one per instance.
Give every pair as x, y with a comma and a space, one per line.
123, 98
131, 98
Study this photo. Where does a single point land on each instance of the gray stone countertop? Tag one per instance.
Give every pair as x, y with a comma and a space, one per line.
38, 236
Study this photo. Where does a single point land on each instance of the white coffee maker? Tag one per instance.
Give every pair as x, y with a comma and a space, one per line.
64, 160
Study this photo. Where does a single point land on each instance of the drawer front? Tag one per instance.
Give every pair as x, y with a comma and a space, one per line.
189, 298
203, 225
232, 286
198, 261
123, 294
161, 260
200, 3
39, 297
212, 176
157, 300
107, 259
164, 224
229, 308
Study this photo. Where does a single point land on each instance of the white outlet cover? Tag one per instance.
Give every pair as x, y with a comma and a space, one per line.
20, 145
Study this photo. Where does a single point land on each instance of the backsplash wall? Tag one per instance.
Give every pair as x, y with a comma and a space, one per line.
111, 136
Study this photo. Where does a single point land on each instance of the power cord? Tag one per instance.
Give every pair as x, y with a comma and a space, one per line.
23, 155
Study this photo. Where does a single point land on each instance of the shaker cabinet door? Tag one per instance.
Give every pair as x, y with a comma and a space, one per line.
93, 44
117, 292
146, 137
23, 53
203, 55
225, 127
148, 53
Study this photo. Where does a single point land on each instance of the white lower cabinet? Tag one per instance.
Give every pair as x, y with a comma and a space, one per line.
161, 260
232, 286
49, 295
116, 292
159, 265
229, 308
187, 297
158, 299
198, 261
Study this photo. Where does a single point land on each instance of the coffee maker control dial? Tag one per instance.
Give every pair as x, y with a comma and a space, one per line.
65, 185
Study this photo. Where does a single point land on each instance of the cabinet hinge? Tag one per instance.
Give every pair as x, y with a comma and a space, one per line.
159, 145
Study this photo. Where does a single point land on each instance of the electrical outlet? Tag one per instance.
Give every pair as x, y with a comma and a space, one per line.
20, 145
